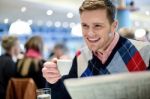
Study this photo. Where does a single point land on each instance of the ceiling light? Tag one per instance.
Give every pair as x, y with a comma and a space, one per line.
72, 24
19, 28
49, 23
23, 9
57, 24
77, 30
139, 33
65, 25
147, 13
49, 12
70, 15
6, 20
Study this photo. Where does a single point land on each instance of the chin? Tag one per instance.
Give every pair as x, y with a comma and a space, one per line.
93, 49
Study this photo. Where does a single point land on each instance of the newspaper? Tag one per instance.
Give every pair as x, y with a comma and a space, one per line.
117, 86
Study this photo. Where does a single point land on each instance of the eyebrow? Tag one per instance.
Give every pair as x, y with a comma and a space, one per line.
83, 23
99, 23
93, 23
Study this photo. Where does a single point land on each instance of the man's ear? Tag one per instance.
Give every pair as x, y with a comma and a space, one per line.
114, 25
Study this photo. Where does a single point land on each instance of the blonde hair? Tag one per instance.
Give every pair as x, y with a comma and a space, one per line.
8, 42
24, 65
89, 5
35, 43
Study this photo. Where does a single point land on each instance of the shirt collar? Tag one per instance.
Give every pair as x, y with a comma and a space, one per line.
104, 55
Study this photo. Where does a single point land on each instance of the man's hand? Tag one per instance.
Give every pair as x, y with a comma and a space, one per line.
51, 72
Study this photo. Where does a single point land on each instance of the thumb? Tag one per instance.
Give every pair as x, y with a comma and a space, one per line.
54, 60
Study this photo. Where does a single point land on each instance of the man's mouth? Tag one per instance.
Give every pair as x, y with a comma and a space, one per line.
93, 40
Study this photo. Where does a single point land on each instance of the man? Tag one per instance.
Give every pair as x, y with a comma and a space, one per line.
7, 62
106, 51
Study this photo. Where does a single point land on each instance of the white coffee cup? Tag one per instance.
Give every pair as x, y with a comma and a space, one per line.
64, 66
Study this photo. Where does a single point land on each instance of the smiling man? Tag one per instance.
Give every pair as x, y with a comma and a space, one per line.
106, 51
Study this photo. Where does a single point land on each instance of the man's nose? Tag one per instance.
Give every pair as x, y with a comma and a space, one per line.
91, 32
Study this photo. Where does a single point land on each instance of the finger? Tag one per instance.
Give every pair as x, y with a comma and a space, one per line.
52, 75
50, 64
51, 70
54, 60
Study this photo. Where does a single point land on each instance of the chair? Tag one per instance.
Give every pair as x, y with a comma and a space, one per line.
21, 88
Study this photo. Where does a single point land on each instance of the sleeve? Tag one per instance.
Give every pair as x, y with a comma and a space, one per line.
58, 90
10, 69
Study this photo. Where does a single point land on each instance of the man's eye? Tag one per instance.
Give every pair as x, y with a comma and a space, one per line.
85, 26
98, 26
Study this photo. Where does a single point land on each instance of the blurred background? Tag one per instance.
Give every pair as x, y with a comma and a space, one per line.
57, 21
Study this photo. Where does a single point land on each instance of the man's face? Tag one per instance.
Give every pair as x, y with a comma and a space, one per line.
97, 31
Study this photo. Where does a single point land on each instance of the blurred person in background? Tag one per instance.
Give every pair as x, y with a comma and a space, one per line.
106, 53
132, 34
126, 32
31, 65
11, 47
59, 51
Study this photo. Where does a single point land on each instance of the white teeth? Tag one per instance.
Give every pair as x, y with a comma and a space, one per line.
93, 39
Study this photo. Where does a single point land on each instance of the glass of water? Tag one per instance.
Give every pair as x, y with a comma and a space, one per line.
44, 93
